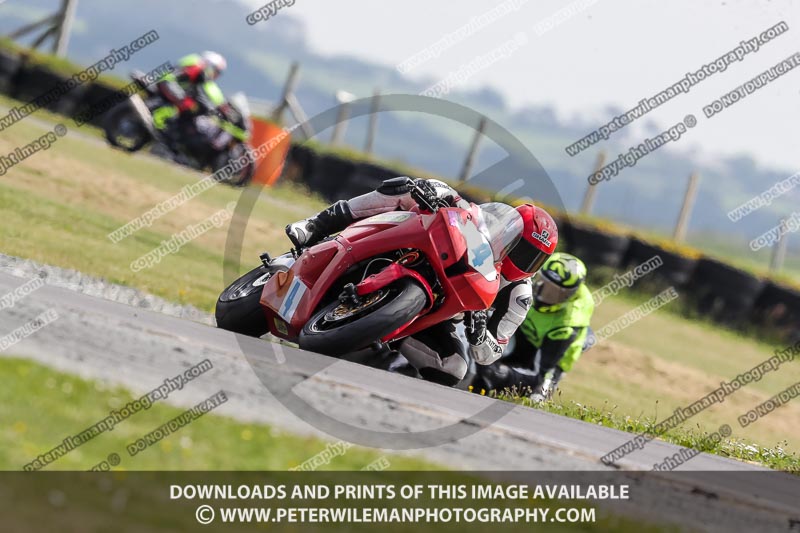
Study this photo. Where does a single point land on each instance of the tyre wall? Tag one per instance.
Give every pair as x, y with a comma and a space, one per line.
726, 294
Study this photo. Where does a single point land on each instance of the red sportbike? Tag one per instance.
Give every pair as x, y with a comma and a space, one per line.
381, 279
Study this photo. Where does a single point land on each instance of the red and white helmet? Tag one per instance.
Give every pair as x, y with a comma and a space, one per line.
215, 64
538, 242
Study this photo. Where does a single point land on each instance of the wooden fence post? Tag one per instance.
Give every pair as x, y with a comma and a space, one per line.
591, 190
686, 209
373, 121
469, 162
288, 91
343, 98
779, 252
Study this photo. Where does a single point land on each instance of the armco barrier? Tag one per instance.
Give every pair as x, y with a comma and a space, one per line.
300, 164
33, 81
331, 177
777, 308
595, 247
724, 293
367, 177
94, 97
10, 62
675, 271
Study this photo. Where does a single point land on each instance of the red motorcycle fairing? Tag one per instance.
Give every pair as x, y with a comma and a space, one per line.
389, 275
291, 298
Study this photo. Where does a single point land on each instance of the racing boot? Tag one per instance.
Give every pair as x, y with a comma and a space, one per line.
546, 389
503, 378
310, 231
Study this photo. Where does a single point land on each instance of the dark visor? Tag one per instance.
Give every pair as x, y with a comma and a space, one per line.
527, 257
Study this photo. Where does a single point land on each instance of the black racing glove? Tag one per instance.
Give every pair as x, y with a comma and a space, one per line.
396, 186
424, 193
475, 329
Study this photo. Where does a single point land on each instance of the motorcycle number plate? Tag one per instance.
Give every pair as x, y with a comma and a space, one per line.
292, 299
479, 252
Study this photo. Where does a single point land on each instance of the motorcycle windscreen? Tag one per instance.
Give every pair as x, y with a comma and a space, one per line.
502, 226
490, 234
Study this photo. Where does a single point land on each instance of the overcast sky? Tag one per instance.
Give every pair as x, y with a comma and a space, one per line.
613, 52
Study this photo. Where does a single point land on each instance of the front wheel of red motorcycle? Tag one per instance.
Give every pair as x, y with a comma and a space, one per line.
344, 327
239, 306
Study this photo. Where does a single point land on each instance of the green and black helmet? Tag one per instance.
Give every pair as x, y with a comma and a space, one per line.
558, 279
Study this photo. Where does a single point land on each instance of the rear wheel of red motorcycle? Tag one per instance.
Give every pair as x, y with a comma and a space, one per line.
338, 329
239, 307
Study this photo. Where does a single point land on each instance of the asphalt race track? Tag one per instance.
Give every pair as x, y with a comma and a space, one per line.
139, 348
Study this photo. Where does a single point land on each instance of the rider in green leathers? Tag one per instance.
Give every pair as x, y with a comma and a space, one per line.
191, 86
192, 92
552, 337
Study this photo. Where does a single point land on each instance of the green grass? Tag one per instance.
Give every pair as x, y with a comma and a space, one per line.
59, 205
695, 436
39, 407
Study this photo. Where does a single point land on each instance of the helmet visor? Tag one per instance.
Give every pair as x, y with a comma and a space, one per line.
527, 257
502, 225
548, 292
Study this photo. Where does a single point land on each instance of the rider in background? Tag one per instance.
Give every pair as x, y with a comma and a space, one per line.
437, 353
192, 90
553, 336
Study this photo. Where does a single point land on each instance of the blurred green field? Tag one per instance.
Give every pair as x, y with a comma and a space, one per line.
59, 206
39, 407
